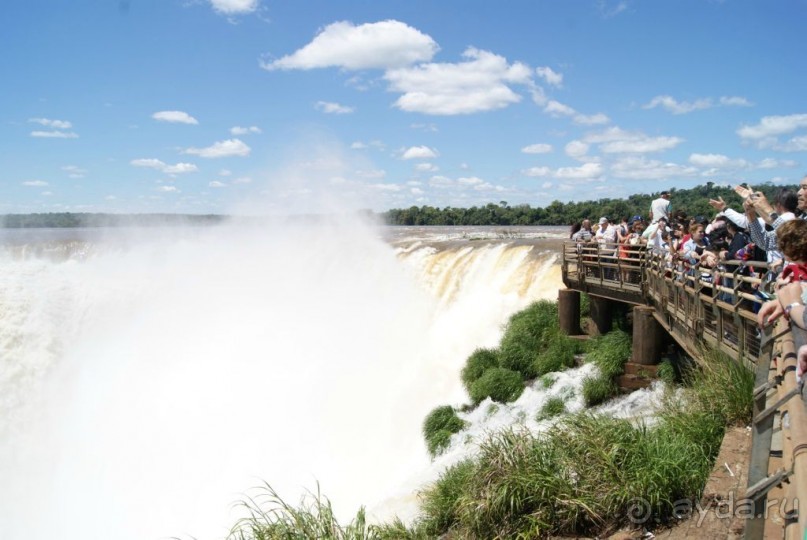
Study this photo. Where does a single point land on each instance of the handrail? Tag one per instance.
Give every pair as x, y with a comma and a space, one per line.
715, 307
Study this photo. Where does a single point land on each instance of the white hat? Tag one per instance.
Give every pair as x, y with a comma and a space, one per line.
603, 220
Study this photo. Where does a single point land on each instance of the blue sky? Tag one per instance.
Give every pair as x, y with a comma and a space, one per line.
258, 106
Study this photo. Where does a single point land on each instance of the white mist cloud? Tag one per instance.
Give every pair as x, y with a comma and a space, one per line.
382, 45
228, 148
717, 161
54, 134
551, 77
174, 117
238, 130
333, 108
557, 109
419, 152
772, 126
538, 148
479, 84
35, 183
234, 7
56, 124
151, 163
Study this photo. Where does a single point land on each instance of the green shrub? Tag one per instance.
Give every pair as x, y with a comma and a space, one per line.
438, 427
598, 389
553, 407
480, 361
585, 305
526, 335
610, 352
548, 380
500, 384
558, 355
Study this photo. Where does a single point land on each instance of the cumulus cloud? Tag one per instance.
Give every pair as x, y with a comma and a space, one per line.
537, 171
55, 124
242, 180
384, 44
640, 168
234, 7
478, 84
238, 130
773, 126
674, 106
584, 171
717, 161
538, 148
419, 152
770, 163
228, 148
618, 141
54, 134
74, 171
216, 184
34, 183
576, 149
796, 144
426, 167
151, 163
333, 108
168, 189
551, 77
174, 117
557, 109
376, 174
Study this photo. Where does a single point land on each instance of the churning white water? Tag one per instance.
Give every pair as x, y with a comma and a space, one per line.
148, 381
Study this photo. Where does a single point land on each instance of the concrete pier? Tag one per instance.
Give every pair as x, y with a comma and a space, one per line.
647, 336
569, 312
601, 313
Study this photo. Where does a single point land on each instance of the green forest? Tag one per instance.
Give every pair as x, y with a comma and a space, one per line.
694, 201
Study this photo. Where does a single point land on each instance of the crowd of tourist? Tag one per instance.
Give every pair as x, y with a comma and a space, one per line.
719, 248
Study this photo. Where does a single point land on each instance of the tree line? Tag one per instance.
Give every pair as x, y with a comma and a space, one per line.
694, 201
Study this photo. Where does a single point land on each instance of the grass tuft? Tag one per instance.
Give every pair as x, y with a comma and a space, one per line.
480, 361
438, 428
598, 389
553, 407
500, 384
526, 334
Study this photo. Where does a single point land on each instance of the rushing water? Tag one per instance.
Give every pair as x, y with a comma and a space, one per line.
149, 378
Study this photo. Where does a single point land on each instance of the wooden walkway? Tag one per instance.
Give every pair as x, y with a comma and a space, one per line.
702, 307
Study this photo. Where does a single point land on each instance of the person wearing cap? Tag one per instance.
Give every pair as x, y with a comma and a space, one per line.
661, 207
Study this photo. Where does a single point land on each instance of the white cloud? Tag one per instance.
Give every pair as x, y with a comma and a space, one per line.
772, 126
54, 134
478, 84
358, 145
419, 152
74, 171
416, 191
35, 183
538, 148
426, 167
770, 163
672, 105
216, 184
384, 44
640, 168
333, 108
558, 109
56, 124
168, 189
234, 7
551, 77
440, 181
470, 181
174, 117
546, 185
225, 172
538, 171
242, 180
586, 170
238, 130
796, 144
431, 128
717, 161
615, 140
151, 163
735, 101
576, 149
228, 148
376, 174
385, 187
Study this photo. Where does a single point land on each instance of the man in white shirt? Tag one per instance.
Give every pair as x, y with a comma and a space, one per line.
661, 207
606, 237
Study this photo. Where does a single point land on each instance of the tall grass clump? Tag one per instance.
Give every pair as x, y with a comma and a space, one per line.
439, 426
526, 334
553, 407
598, 389
666, 372
272, 518
610, 352
480, 361
440, 502
499, 384
723, 386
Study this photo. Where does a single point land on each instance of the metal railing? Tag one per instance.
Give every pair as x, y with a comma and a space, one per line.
716, 307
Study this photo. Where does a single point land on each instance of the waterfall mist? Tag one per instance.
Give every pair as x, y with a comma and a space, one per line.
147, 388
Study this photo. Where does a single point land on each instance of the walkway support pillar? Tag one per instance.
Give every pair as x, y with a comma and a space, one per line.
569, 312
647, 336
601, 313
